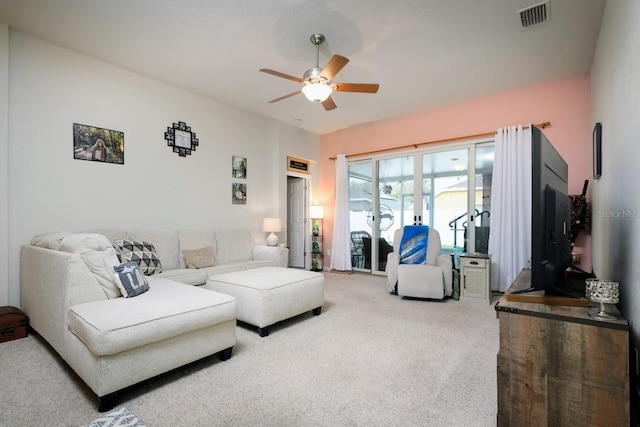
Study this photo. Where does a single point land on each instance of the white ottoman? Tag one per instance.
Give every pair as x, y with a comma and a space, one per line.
268, 295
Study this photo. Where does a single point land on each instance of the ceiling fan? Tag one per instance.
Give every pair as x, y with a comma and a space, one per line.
317, 84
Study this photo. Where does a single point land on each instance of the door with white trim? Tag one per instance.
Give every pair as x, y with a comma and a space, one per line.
296, 224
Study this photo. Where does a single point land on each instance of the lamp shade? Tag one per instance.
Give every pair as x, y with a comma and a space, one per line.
271, 225
316, 92
316, 212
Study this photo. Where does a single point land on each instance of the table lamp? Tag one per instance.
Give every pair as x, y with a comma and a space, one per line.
272, 225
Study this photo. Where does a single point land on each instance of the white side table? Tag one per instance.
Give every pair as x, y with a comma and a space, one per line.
475, 276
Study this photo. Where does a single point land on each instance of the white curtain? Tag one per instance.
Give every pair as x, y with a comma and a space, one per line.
510, 221
341, 242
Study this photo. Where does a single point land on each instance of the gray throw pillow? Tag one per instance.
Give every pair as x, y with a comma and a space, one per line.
130, 279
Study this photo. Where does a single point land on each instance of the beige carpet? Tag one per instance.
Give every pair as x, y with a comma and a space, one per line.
370, 359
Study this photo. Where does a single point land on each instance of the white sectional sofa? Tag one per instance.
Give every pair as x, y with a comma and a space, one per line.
111, 342
235, 249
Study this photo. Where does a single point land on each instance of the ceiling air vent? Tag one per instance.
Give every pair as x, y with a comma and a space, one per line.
534, 14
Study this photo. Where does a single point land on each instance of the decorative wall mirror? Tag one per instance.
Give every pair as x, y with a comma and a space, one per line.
181, 138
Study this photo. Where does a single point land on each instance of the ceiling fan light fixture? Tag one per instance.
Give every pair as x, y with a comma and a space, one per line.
317, 92
317, 83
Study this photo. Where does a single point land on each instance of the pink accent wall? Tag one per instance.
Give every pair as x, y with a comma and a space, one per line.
565, 103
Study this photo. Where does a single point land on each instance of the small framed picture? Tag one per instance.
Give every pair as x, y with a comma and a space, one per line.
239, 193
597, 150
239, 167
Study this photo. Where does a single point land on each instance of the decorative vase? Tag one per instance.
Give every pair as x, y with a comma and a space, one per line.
602, 292
588, 283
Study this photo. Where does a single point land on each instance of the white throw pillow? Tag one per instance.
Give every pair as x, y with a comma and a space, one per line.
98, 255
49, 240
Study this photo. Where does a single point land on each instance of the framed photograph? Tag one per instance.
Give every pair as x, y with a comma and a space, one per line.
239, 167
98, 144
238, 193
597, 150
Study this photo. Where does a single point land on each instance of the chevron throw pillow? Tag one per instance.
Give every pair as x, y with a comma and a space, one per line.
143, 253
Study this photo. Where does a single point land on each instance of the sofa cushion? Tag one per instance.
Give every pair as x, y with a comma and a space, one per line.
234, 245
199, 258
111, 233
194, 239
49, 240
167, 310
166, 244
142, 253
259, 263
224, 268
187, 276
98, 255
130, 279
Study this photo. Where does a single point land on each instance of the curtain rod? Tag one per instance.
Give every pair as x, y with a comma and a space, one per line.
420, 144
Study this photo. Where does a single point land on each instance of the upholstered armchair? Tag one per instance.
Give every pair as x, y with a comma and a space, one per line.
434, 279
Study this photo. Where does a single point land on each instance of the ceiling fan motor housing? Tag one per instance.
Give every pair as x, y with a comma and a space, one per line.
316, 39
312, 75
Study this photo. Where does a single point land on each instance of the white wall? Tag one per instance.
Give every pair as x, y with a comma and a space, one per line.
4, 163
615, 91
51, 88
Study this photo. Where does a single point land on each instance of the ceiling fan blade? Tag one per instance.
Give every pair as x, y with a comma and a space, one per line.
356, 87
333, 67
284, 97
283, 75
328, 104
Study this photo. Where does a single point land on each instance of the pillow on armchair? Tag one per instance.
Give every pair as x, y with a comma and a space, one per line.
414, 243
431, 279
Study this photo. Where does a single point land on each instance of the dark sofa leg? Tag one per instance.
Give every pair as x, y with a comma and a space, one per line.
263, 331
317, 311
107, 402
225, 354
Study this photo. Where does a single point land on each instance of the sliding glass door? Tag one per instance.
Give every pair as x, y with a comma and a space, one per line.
483, 176
445, 184
449, 190
395, 202
360, 208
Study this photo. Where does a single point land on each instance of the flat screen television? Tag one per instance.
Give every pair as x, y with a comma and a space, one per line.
550, 218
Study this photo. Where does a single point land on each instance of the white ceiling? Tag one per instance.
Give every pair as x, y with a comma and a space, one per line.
423, 53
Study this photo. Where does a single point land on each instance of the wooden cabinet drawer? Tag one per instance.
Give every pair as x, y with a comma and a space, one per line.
473, 262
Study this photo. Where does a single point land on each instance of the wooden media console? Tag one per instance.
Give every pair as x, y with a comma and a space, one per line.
559, 366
